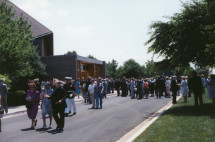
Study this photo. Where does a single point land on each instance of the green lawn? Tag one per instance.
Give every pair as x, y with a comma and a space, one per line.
183, 123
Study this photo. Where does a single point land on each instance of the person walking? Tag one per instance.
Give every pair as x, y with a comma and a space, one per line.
3, 93
46, 104
70, 100
140, 89
58, 105
197, 88
32, 98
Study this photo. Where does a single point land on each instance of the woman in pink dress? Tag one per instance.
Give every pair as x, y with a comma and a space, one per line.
168, 86
32, 98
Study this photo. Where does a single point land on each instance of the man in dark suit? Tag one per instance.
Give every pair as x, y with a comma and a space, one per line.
197, 87
140, 88
174, 89
59, 105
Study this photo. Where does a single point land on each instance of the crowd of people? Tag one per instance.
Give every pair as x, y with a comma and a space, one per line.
57, 98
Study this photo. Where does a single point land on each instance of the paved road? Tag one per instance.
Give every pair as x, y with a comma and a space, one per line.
118, 116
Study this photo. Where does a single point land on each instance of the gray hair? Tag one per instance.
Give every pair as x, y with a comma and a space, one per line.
2, 79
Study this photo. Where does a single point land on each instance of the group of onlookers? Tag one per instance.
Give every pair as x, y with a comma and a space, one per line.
57, 98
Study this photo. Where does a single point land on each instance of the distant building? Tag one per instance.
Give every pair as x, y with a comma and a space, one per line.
63, 65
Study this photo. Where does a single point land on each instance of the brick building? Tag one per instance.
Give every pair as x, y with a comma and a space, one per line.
63, 65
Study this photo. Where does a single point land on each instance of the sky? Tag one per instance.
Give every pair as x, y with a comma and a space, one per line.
106, 29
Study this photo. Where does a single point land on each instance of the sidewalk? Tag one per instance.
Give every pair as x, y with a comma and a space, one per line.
22, 109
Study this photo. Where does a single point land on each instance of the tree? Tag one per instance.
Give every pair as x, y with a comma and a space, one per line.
111, 68
71, 53
19, 58
91, 57
183, 39
130, 69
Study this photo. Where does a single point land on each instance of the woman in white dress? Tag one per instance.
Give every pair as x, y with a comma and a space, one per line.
168, 86
184, 89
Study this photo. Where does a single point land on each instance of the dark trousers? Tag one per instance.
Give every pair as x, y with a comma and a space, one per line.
198, 97
100, 100
140, 93
190, 91
174, 94
118, 91
58, 114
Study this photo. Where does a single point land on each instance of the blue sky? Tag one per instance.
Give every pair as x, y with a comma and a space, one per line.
106, 29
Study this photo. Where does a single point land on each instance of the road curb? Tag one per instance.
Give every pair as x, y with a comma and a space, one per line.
134, 133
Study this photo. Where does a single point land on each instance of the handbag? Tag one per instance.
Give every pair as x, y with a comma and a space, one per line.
29, 105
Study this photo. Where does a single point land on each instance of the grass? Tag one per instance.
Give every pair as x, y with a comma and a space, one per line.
183, 123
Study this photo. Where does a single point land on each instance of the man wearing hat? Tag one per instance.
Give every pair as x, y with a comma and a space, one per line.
70, 89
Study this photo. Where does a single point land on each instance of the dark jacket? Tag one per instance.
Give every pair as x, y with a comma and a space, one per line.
174, 87
59, 94
196, 84
70, 88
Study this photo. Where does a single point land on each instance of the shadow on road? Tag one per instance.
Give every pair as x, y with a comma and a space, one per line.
27, 129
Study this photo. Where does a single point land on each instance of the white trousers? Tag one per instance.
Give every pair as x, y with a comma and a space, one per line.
70, 105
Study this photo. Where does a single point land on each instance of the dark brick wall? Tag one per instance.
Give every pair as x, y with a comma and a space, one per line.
61, 66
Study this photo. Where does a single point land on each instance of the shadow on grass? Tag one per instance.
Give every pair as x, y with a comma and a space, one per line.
207, 109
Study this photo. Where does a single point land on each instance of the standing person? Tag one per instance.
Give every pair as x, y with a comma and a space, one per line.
32, 98
1, 114
189, 85
84, 91
98, 93
58, 105
87, 85
70, 99
105, 88
152, 86
140, 89
124, 87
3, 93
211, 88
203, 83
117, 86
111, 85
197, 88
168, 86
174, 89
184, 89
132, 86
46, 104
146, 88
91, 92
37, 82
159, 87
77, 87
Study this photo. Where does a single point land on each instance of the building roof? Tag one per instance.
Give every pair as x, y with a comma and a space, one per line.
37, 28
89, 60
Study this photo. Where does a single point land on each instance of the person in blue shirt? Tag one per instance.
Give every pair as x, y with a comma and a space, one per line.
77, 87
46, 104
105, 88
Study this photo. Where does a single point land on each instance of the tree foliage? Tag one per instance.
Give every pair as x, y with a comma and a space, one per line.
91, 57
111, 68
19, 58
130, 69
71, 53
184, 39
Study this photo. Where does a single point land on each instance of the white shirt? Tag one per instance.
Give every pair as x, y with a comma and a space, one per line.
91, 89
